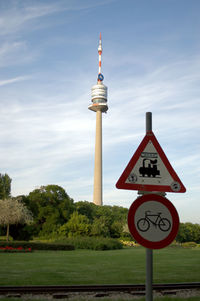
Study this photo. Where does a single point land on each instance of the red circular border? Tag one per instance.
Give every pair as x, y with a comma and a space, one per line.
133, 230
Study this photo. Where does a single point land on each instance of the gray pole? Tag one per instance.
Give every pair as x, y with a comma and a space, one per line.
149, 275
148, 122
149, 252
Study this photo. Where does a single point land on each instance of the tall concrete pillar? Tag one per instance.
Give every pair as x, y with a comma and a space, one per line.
97, 195
99, 106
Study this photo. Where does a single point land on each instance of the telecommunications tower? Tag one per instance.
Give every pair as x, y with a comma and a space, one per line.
99, 105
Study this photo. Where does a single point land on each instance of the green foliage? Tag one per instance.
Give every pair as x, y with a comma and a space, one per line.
188, 232
116, 229
77, 225
56, 215
51, 207
190, 244
22, 232
101, 227
106, 221
92, 243
5, 186
87, 209
38, 245
129, 243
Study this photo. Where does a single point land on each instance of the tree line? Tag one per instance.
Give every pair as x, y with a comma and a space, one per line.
49, 212
56, 214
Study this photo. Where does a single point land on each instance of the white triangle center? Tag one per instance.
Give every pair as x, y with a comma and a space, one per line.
150, 169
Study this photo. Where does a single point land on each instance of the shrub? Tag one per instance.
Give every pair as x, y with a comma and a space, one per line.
129, 243
95, 243
189, 244
37, 245
77, 225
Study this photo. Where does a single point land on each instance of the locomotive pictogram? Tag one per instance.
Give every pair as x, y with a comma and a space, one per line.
149, 168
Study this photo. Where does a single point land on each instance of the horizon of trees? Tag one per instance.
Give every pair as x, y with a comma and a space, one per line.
49, 212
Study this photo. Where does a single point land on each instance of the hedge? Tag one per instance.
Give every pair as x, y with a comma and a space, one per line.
94, 243
20, 249
38, 245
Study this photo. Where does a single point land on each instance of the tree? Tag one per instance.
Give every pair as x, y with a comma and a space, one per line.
13, 211
86, 208
5, 186
188, 232
51, 207
109, 221
116, 229
105, 221
77, 225
101, 227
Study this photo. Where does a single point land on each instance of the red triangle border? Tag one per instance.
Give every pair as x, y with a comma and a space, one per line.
121, 184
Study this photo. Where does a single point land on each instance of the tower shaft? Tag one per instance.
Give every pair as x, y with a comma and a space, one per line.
97, 194
99, 106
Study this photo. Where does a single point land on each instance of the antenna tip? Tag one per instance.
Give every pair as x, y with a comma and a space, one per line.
100, 36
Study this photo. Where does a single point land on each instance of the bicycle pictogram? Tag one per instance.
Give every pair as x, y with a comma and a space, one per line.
156, 220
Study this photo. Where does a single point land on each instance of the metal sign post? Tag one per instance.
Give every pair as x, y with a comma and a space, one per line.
149, 252
149, 275
150, 172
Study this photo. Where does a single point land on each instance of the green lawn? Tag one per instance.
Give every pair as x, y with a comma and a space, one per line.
98, 267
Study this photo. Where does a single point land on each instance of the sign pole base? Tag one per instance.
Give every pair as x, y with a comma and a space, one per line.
149, 275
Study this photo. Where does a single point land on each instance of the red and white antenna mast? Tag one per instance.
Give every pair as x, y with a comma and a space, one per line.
99, 91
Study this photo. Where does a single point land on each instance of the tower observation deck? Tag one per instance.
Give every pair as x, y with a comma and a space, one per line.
99, 105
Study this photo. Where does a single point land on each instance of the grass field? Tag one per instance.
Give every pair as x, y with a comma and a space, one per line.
98, 267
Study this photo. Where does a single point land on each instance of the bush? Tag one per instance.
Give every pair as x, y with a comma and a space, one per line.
37, 245
95, 243
78, 225
189, 244
129, 243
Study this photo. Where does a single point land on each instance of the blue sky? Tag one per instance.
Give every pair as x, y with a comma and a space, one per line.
49, 62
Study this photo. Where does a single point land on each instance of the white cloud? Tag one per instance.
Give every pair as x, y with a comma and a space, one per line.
15, 17
13, 80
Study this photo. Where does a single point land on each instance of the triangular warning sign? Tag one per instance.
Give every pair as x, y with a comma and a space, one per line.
150, 170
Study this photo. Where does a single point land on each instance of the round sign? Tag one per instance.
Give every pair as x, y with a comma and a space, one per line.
153, 221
